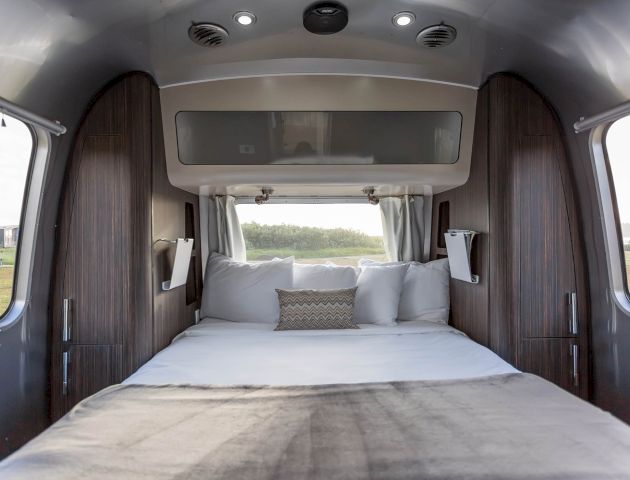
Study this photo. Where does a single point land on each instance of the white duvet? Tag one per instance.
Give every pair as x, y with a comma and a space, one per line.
218, 352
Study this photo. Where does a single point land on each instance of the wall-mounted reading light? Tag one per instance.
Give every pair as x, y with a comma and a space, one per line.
179, 272
403, 19
245, 18
266, 193
459, 247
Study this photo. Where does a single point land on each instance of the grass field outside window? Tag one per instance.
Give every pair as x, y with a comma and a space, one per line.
7, 268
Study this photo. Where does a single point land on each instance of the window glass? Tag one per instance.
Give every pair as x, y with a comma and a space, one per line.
318, 138
313, 233
618, 149
16, 145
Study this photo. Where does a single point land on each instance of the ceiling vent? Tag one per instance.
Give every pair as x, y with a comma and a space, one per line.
437, 36
208, 34
325, 18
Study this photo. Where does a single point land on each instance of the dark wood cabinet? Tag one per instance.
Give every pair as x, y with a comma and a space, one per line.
106, 284
559, 360
94, 270
530, 305
90, 368
532, 216
547, 270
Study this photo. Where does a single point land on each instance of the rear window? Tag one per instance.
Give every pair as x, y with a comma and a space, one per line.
312, 233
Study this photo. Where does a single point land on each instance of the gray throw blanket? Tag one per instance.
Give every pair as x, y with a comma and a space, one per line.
514, 426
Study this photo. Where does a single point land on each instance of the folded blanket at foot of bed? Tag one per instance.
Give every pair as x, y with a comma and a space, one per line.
513, 426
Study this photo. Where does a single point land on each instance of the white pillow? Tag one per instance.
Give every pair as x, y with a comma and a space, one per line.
378, 294
244, 292
323, 277
425, 291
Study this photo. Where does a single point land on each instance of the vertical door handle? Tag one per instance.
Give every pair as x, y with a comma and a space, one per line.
64, 372
575, 373
66, 333
573, 314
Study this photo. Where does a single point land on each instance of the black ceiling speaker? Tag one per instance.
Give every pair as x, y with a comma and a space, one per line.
325, 18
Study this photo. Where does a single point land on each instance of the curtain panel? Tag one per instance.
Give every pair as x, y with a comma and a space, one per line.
405, 227
224, 230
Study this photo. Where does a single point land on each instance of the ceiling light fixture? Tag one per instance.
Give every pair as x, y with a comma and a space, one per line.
403, 19
245, 18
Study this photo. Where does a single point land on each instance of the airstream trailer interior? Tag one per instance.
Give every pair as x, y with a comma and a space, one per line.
285, 239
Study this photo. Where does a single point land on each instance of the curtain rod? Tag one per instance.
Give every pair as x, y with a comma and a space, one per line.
312, 199
20, 113
605, 117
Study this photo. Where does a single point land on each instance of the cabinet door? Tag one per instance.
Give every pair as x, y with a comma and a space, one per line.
85, 369
547, 270
95, 263
559, 360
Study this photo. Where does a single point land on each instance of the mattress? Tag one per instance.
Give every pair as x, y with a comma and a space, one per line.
218, 352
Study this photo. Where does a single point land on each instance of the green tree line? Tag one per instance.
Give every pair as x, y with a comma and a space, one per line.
304, 238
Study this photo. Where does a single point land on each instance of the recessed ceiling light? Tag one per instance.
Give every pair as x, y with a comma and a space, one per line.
403, 19
245, 18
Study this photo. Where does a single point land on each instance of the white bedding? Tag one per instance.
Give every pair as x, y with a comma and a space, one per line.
218, 352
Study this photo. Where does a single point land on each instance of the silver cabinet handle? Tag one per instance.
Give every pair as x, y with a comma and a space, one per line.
66, 334
64, 375
573, 315
576, 364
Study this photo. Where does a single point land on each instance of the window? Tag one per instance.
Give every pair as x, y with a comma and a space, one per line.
16, 148
318, 138
341, 233
618, 149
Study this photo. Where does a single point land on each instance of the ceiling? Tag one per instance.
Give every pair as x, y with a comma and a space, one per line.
54, 54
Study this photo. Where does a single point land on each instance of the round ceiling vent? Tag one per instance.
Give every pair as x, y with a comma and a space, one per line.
208, 34
437, 36
325, 18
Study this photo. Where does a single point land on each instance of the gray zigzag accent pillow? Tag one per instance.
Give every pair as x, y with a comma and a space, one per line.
316, 309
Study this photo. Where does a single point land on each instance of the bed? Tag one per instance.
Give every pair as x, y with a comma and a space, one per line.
218, 352
415, 400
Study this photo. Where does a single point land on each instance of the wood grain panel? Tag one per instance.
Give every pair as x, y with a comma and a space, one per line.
96, 266
468, 208
84, 361
104, 239
505, 123
547, 274
551, 359
139, 294
171, 312
530, 252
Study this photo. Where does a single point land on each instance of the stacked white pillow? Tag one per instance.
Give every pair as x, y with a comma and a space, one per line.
244, 292
425, 290
378, 294
323, 277
386, 291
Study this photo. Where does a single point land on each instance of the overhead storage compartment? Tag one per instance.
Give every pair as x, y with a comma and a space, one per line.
339, 133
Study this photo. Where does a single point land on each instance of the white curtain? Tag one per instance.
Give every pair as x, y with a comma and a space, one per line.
406, 227
224, 230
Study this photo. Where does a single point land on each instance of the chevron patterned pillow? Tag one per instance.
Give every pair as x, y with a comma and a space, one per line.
316, 309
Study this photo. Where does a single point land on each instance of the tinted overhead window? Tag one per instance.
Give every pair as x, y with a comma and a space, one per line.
618, 150
318, 138
16, 147
341, 233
